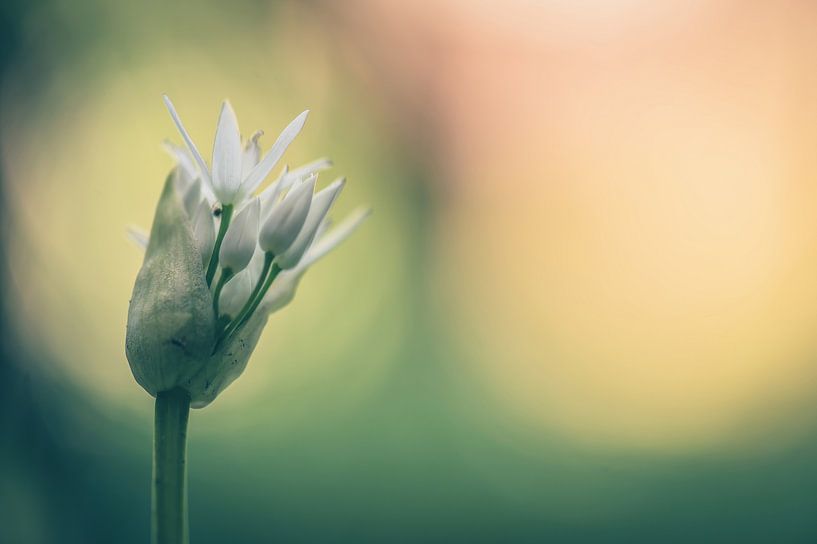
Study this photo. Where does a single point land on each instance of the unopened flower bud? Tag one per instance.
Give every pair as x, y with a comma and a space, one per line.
287, 218
240, 240
317, 211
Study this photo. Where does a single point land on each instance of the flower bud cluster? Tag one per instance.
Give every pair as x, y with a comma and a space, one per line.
221, 256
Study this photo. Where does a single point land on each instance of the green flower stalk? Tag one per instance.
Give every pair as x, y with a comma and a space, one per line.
222, 254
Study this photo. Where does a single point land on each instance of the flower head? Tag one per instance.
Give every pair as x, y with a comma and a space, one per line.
219, 258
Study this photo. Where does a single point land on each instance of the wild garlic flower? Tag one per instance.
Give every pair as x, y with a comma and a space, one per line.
222, 256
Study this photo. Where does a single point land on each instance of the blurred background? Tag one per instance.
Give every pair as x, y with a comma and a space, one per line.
583, 311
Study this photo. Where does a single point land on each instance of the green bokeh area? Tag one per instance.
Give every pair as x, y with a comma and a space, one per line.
388, 443
405, 466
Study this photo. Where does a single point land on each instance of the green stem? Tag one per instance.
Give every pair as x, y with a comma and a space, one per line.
169, 493
260, 296
268, 274
268, 258
226, 275
226, 215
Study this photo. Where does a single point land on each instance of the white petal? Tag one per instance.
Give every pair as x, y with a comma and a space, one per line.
241, 239
256, 263
260, 172
286, 180
189, 171
251, 155
204, 231
333, 238
325, 225
138, 236
282, 290
287, 218
290, 177
236, 292
317, 211
205, 174
312, 167
227, 156
317, 165
183, 159
270, 196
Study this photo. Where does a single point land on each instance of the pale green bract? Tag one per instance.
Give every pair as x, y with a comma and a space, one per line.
171, 325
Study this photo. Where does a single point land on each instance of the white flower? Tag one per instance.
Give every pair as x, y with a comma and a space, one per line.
210, 278
230, 180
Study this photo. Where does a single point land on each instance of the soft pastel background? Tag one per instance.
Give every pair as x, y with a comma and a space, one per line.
583, 311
